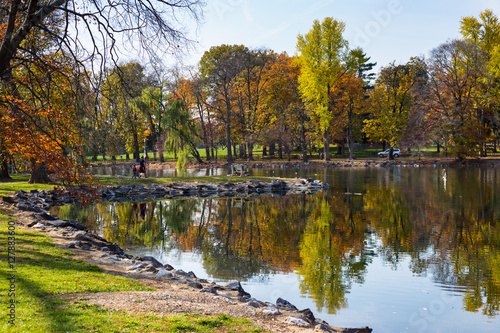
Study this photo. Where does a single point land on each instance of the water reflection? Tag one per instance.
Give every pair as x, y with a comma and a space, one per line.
440, 225
126, 171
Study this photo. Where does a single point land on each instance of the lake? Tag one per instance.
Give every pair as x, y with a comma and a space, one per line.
396, 249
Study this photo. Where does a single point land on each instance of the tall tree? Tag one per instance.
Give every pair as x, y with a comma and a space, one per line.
285, 114
249, 88
321, 52
455, 69
220, 67
122, 92
392, 101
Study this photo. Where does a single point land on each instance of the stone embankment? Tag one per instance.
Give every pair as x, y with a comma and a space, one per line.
252, 188
31, 210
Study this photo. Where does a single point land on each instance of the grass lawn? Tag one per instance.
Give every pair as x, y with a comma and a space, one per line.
20, 182
42, 271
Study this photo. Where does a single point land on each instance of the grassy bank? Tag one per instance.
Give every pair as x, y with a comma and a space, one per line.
42, 271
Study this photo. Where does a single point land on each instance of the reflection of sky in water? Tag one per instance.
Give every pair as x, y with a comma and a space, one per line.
390, 300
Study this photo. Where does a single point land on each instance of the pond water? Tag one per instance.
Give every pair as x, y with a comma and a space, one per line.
395, 249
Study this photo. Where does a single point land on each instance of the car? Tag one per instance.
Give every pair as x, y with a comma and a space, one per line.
385, 153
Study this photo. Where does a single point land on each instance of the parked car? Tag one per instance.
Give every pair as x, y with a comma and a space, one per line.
385, 153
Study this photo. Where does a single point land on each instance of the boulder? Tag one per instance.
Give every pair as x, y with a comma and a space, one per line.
284, 304
153, 261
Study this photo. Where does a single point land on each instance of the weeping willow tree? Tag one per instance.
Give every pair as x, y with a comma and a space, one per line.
182, 134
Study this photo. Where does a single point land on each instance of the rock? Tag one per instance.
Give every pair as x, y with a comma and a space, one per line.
254, 304
150, 268
105, 249
85, 246
168, 267
297, 321
281, 303
153, 260
233, 285
164, 274
66, 223
321, 328
180, 272
9, 200
357, 330
138, 266
209, 290
49, 217
271, 311
39, 225
31, 224
195, 285
308, 316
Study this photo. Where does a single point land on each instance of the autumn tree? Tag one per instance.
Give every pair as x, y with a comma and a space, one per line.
284, 113
151, 26
321, 52
455, 70
190, 91
220, 67
249, 89
392, 100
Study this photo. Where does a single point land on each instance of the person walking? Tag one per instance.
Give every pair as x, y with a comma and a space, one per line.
142, 166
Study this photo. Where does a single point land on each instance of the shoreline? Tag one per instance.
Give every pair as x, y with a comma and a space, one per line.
344, 163
184, 291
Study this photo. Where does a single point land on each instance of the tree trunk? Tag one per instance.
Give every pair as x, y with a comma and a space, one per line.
207, 152
272, 149
39, 174
4, 168
250, 151
136, 147
326, 141
264, 151
350, 137
228, 129
243, 150
303, 139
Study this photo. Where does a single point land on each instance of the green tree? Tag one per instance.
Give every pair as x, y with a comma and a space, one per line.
122, 92
321, 52
181, 131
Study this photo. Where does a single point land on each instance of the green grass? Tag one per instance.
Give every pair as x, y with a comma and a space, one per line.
20, 182
43, 271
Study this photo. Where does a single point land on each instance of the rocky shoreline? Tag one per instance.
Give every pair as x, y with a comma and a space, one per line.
31, 210
36, 200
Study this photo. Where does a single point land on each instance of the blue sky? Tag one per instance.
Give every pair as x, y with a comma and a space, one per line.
387, 30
